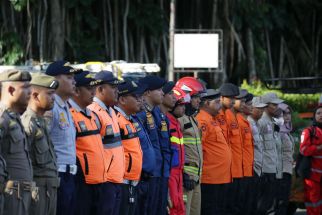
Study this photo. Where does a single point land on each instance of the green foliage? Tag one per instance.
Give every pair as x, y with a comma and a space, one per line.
11, 50
298, 102
19, 5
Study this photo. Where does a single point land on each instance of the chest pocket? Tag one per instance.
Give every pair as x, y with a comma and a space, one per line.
17, 138
268, 141
219, 135
41, 149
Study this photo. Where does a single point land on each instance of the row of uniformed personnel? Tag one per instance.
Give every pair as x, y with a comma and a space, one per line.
247, 152
72, 143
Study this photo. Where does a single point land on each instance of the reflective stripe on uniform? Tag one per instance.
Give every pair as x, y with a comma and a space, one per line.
176, 140
318, 156
111, 145
191, 140
192, 169
313, 204
316, 170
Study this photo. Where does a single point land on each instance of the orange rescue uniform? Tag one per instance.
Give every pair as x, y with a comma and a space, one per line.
236, 144
110, 133
132, 148
89, 148
248, 145
216, 151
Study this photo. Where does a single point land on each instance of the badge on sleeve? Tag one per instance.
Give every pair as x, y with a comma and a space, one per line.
63, 124
150, 120
82, 126
109, 130
203, 127
164, 126
137, 126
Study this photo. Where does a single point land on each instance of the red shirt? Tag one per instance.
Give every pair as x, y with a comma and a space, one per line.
308, 147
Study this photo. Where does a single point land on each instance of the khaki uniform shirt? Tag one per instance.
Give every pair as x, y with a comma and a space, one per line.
258, 146
41, 148
266, 129
192, 147
14, 145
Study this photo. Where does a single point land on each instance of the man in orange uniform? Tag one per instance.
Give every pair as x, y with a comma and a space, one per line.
228, 93
176, 138
248, 149
216, 173
129, 102
105, 98
91, 179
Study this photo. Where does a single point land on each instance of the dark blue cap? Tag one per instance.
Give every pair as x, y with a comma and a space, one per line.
60, 68
107, 77
85, 78
168, 87
152, 82
131, 87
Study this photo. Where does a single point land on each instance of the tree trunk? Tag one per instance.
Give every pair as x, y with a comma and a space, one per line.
268, 46
111, 27
105, 29
116, 30
42, 32
29, 35
214, 13
250, 55
281, 60
126, 46
171, 40
57, 30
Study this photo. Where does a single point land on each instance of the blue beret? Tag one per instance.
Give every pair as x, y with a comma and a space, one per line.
84, 78
107, 77
152, 82
60, 68
131, 87
168, 87
229, 90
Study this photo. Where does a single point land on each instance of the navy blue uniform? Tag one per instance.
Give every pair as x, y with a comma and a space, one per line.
162, 123
152, 185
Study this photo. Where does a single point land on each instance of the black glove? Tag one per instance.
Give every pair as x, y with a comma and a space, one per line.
188, 183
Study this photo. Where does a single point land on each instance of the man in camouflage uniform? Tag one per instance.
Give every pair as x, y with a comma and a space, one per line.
15, 94
41, 148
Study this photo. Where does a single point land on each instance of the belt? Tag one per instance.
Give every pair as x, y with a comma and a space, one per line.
29, 186
130, 182
51, 182
72, 169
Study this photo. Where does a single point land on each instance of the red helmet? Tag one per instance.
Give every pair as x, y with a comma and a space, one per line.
181, 96
191, 85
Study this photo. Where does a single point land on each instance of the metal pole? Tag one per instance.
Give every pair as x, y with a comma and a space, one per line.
171, 39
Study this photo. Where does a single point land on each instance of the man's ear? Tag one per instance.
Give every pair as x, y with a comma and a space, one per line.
121, 100
34, 95
77, 91
11, 89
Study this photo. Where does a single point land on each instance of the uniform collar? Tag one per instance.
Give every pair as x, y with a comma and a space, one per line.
100, 103
128, 117
74, 105
9, 111
148, 107
60, 102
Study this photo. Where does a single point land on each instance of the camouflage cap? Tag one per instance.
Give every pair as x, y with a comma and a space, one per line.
15, 75
43, 80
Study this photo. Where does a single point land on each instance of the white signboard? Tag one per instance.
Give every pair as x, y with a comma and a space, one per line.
196, 50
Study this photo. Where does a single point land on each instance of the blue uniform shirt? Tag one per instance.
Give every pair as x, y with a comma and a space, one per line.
162, 123
63, 133
148, 164
148, 122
